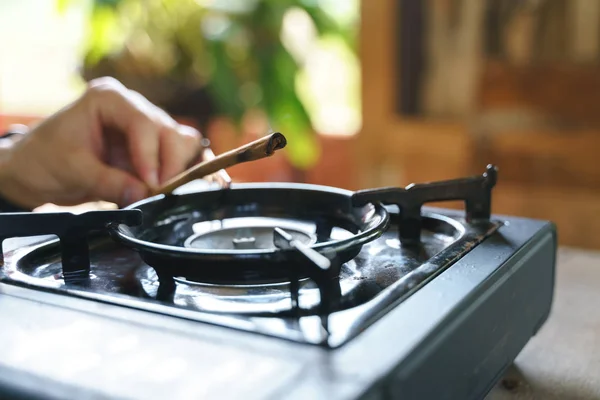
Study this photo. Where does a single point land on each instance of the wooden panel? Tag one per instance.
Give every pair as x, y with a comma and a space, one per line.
413, 151
391, 149
575, 212
565, 160
548, 171
549, 175
377, 38
567, 93
376, 53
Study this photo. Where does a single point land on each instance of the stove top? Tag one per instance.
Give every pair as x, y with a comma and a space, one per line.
380, 276
469, 291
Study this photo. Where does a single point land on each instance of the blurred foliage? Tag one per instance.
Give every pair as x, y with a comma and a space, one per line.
233, 48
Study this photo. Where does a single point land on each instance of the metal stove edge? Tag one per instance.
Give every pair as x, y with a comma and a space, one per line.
485, 317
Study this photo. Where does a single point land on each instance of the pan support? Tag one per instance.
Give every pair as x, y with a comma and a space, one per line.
475, 191
72, 231
322, 269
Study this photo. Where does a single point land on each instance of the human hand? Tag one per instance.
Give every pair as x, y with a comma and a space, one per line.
111, 144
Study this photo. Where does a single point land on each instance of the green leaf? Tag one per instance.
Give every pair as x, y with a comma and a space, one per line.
103, 32
108, 3
284, 109
62, 5
325, 25
224, 83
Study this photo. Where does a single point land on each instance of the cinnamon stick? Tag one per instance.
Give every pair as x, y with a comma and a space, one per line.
256, 150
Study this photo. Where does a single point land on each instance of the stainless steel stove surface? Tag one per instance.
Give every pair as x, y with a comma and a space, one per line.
439, 318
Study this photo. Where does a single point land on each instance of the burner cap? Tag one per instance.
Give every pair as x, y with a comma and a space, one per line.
226, 235
244, 238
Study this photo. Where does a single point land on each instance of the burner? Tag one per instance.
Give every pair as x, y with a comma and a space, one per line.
233, 229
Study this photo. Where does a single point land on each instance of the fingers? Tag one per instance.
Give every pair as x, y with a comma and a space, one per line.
178, 147
116, 107
159, 148
178, 144
117, 186
221, 177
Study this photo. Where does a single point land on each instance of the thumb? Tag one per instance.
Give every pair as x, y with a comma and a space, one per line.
117, 186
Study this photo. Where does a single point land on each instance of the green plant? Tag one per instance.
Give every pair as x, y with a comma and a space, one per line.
232, 48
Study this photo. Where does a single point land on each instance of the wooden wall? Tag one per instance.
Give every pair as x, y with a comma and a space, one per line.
536, 120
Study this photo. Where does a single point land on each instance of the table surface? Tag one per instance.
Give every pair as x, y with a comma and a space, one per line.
563, 360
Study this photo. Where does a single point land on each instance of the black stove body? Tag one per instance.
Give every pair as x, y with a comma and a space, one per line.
437, 306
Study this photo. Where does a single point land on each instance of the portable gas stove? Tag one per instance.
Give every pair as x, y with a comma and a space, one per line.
273, 291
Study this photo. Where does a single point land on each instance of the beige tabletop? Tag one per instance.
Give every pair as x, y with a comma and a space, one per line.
563, 360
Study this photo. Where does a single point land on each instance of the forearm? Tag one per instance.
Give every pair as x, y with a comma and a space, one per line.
8, 202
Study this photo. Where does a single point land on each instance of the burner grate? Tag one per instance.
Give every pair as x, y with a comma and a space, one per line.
72, 230
475, 191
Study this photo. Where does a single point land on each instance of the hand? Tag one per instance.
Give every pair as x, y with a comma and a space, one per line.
111, 144
221, 177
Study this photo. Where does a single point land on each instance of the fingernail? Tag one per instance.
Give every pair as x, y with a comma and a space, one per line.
153, 179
